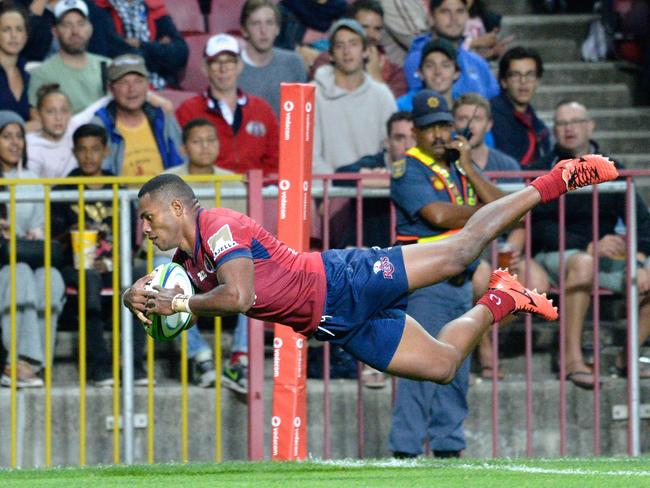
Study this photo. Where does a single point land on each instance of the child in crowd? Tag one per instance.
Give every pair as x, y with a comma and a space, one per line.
50, 149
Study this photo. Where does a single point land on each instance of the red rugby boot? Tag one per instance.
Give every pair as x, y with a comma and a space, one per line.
590, 169
526, 300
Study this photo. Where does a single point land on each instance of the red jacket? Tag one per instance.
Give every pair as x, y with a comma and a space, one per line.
155, 10
253, 146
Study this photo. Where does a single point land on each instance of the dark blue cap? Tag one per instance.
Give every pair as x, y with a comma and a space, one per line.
430, 107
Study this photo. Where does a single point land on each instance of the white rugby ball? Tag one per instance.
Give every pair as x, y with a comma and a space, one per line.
167, 327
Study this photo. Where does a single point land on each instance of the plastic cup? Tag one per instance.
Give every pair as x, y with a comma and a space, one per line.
87, 245
505, 255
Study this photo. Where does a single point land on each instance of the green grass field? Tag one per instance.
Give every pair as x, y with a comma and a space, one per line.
466, 473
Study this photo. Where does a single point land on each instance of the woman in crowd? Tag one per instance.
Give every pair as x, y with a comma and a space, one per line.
13, 77
30, 289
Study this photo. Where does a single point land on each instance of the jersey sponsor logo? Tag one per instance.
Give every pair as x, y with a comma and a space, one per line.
385, 266
256, 128
221, 241
202, 275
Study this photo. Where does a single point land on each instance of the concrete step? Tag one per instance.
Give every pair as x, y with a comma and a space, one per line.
614, 95
571, 27
552, 50
632, 118
617, 141
635, 161
568, 73
512, 7
343, 423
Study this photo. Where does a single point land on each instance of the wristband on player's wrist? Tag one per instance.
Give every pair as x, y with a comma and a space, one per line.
181, 303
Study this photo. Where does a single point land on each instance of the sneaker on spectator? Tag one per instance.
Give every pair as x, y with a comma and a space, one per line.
235, 375
103, 378
203, 373
140, 377
26, 377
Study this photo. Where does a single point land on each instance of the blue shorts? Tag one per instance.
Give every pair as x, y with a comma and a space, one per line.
365, 311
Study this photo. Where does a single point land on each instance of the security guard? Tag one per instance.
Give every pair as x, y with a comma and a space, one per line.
436, 188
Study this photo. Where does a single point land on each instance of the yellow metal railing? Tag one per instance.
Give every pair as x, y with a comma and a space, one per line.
81, 187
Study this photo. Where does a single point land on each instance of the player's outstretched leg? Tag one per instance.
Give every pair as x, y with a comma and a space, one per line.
421, 356
431, 262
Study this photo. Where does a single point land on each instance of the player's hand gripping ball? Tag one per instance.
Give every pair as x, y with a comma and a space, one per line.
167, 327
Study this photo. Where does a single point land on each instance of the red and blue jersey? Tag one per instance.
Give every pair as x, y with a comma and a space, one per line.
290, 287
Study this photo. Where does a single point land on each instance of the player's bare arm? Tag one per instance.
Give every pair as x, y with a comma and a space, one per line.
235, 293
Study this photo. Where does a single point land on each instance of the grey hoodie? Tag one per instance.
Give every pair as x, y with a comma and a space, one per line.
349, 124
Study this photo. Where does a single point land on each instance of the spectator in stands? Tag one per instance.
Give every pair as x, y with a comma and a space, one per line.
298, 15
39, 27
482, 30
78, 72
448, 19
144, 28
30, 277
90, 147
517, 130
351, 107
201, 146
14, 80
573, 129
438, 70
472, 112
375, 211
144, 140
265, 67
371, 17
246, 125
436, 188
403, 20
50, 154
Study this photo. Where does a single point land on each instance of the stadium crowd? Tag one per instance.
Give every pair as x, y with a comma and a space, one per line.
91, 88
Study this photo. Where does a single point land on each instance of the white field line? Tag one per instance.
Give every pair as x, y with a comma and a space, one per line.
414, 463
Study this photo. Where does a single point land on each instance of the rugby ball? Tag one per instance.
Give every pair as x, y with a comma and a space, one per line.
166, 328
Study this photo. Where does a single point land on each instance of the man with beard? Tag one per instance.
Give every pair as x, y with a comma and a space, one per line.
436, 188
73, 68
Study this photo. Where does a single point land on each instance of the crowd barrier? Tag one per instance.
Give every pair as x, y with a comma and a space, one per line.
325, 198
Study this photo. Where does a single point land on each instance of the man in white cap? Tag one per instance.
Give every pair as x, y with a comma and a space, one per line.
246, 125
78, 72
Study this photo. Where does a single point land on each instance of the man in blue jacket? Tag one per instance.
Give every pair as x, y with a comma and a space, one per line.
144, 140
448, 19
517, 130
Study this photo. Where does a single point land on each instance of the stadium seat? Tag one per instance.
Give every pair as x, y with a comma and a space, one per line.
176, 96
194, 80
224, 16
187, 16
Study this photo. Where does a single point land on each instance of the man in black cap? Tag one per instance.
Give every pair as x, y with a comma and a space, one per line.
436, 188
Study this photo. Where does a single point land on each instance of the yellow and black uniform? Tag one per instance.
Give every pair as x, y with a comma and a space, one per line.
419, 180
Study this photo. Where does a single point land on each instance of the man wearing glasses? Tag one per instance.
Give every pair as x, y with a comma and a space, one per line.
517, 130
573, 129
246, 125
